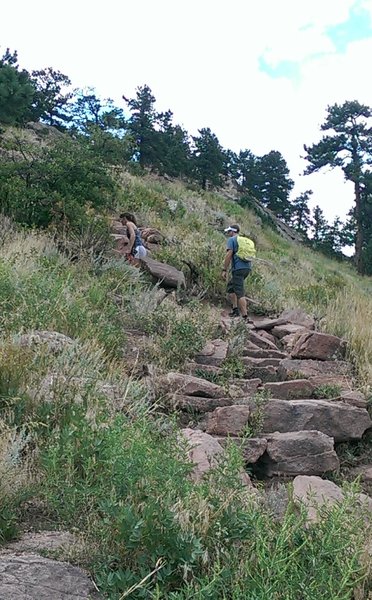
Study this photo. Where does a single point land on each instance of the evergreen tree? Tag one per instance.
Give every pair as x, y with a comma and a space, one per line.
348, 146
319, 227
247, 171
16, 91
51, 98
274, 184
141, 126
208, 159
89, 112
173, 148
300, 217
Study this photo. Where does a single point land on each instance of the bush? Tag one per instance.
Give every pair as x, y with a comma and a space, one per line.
54, 185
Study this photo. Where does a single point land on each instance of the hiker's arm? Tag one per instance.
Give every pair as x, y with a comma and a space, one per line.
227, 260
132, 237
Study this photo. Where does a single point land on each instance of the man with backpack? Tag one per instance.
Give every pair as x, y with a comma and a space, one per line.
240, 251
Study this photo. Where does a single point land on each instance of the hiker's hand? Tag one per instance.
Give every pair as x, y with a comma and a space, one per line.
224, 274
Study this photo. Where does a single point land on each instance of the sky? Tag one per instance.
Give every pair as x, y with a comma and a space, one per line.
259, 73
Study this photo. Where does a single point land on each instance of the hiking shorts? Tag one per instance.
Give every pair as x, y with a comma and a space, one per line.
140, 252
236, 283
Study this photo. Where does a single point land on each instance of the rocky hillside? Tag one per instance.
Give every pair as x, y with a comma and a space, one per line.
154, 447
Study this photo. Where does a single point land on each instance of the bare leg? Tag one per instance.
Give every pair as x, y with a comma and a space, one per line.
233, 300
242, 303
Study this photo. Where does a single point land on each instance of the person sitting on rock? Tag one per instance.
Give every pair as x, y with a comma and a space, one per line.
135, 250
240, 251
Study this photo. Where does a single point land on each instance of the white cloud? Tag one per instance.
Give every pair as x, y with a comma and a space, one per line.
201, 58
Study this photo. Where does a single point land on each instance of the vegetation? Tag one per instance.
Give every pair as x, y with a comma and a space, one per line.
149, 140
82, 437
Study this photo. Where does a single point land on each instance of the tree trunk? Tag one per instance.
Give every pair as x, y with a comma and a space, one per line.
359, 227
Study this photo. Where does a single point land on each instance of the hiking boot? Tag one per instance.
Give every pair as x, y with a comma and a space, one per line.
234, 312
247, 320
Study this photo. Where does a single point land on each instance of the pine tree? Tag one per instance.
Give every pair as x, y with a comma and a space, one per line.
141, 126
208, 159
348, 146
274, 184
51, 98
16, 91
300, 217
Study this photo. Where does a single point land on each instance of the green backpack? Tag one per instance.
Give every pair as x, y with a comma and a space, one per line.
246, 248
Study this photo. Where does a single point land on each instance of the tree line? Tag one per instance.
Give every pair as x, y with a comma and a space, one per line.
145, 139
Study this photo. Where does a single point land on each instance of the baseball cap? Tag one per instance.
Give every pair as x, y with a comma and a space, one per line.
234, 228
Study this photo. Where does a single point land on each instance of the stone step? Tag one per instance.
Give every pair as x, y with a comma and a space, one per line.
307, 452
304, 369
252, 448
261, 353
336, 419
197, 404
290, 390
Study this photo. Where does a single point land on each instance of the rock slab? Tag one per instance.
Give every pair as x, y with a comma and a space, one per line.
33, 577
299, 452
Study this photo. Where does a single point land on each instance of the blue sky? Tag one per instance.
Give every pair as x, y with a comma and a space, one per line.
260, 74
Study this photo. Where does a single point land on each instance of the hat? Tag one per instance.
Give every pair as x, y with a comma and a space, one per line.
234, 228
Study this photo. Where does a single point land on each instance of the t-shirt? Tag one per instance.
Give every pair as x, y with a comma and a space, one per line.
236, 263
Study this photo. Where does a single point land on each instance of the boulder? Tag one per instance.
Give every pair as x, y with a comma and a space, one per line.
166, 275
33, 577
118, 229
228, 420
354, 398
51, 387
319, 346
54, 341
288, 341
42, 541
261, 353
315, 492
300, 452
290, 390
197, 404
214, 353
267, 336
364, 472
268, 324
151, 235
269, 373
281, 331
262, 342
252, 448
251, 361
298, 317
248, 387
335, 419
304, 369
205, 452
188, 385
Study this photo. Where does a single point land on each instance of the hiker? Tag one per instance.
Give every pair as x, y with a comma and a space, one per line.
136, 249
240, 251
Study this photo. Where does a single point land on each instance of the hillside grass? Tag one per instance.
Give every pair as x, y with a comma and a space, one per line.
97, 455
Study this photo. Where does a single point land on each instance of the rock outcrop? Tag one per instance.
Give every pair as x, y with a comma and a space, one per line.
299, 452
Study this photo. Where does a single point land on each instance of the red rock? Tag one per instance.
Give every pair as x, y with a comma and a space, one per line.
197, 404
319, 346
188, 385
283, 330
290, 390
298, 317
304, 369
229, 420
335, 419
299, 452
166, 275
314, 493
214, 353
252, 448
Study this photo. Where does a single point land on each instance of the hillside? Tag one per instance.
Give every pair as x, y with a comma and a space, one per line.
90, 441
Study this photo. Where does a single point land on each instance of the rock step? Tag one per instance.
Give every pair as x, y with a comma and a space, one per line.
33, 577
296, 453
335, 419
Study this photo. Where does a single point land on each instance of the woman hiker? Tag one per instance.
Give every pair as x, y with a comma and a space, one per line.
136, 250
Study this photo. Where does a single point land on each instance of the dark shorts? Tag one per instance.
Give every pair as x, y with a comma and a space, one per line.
236, 283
